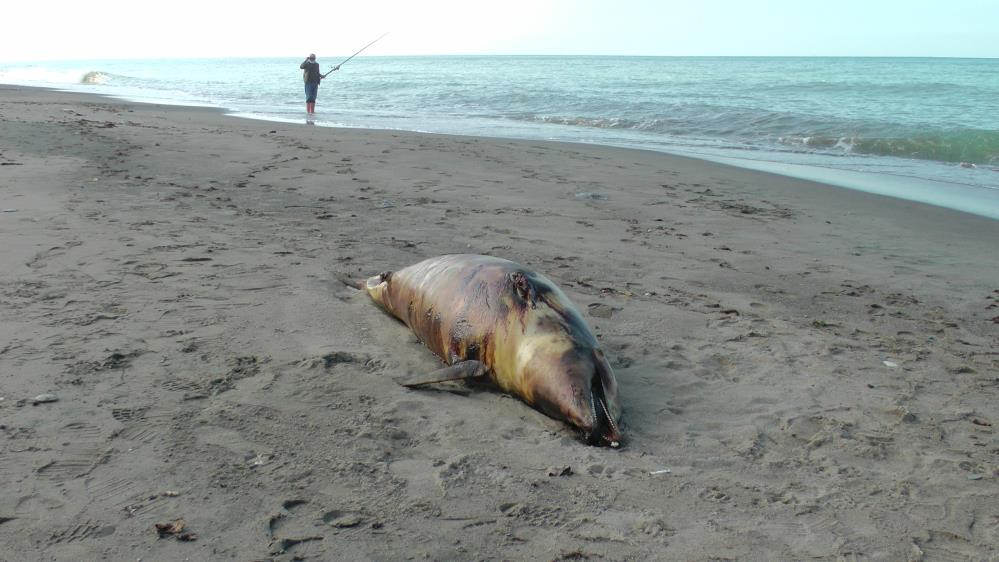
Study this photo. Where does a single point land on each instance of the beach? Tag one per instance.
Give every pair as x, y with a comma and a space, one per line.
806, 372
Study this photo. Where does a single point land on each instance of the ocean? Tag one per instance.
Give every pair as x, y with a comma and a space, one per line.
924, 129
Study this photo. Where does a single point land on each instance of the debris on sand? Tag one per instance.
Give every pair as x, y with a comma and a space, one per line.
44, 399
176, 529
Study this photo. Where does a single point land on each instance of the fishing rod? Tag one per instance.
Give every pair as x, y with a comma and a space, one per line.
355, 54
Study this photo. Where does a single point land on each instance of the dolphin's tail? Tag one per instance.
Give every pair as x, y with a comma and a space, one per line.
346, 280
377, 288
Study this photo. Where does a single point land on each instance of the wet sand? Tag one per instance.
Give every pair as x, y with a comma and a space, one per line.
806, 372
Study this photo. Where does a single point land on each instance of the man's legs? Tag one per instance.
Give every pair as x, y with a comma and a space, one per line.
311, 90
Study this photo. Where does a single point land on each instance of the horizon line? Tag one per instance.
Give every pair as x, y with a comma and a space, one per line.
511, 55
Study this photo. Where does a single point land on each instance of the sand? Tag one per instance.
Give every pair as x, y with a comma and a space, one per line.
807, 372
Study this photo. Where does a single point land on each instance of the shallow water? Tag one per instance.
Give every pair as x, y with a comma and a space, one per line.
921, 129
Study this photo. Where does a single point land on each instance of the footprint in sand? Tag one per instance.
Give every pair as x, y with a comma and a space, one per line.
292, 530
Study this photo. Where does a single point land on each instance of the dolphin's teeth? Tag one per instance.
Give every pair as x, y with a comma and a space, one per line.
609, 418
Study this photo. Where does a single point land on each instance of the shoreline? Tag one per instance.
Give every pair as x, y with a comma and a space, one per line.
814, 366
956, 195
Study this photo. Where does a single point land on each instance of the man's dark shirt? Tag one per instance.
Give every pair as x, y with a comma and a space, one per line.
312, 72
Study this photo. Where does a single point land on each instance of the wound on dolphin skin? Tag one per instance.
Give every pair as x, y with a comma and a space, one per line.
524, 288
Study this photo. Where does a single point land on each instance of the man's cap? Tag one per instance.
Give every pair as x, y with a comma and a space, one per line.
312, 56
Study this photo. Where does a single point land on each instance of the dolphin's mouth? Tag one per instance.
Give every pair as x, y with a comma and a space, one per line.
605, 431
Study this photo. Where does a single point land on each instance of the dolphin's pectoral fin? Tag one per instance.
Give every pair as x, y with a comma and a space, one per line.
459, 371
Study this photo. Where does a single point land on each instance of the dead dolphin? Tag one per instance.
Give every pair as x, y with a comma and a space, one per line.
486, 316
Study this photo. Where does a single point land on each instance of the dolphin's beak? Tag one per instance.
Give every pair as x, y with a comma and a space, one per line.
604, 431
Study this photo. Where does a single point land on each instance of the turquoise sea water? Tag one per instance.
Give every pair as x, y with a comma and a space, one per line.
921, 129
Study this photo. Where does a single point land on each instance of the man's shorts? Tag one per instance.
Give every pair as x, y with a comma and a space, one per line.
311, 91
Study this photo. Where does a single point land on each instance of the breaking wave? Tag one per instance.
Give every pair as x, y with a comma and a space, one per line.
970, 146
45, 76
95, 77
974, 146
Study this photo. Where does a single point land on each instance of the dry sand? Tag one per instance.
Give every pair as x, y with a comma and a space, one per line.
807, 373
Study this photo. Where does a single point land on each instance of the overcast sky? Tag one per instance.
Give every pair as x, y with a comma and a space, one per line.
183, 28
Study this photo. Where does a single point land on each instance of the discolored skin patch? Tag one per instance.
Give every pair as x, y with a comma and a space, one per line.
534, 341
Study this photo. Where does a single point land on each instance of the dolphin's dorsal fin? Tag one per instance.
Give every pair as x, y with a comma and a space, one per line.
464, 370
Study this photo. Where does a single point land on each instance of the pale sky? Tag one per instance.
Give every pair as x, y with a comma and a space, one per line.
79, 29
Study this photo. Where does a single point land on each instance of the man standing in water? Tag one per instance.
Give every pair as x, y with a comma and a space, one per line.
312, 77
